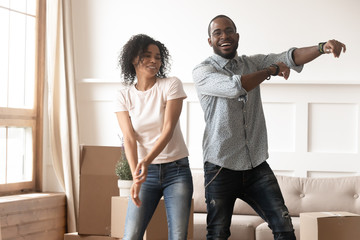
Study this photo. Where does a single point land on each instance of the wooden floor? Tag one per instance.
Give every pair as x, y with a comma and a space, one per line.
33, 216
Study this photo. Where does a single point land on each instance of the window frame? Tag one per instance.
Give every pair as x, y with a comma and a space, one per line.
14, 117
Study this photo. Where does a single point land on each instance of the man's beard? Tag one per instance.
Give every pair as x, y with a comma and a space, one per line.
230, 55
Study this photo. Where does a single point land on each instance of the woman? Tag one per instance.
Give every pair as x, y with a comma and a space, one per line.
148, 109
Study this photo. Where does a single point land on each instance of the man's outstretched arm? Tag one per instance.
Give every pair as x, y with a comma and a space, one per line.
307, 54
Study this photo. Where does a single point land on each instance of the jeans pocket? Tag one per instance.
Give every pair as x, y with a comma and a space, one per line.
184, 162
265, 172
181, 167
210, 168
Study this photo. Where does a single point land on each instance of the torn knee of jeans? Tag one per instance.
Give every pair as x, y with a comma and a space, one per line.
212, 202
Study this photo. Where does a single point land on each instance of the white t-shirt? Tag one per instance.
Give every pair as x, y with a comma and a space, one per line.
147, 110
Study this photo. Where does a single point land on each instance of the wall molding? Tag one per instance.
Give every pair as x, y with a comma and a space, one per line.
313, 129
271, 82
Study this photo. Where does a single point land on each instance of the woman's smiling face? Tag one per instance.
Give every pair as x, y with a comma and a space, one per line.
149, 62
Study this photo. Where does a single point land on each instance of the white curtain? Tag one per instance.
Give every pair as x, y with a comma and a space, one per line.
62, 111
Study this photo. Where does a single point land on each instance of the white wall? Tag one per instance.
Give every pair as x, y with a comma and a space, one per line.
101, 27
313, 129
313, 118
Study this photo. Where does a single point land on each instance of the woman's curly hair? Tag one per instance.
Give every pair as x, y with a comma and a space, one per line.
137, 46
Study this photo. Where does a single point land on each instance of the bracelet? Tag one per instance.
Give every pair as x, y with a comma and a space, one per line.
321, 47
268, 71
277, 69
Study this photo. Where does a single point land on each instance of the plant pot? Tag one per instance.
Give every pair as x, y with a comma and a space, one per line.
124, 187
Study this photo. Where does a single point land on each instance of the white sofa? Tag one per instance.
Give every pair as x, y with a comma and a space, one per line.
300, 194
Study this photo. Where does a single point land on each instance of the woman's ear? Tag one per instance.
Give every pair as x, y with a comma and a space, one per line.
135, 61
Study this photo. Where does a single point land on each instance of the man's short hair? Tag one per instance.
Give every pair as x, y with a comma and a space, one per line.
220, 16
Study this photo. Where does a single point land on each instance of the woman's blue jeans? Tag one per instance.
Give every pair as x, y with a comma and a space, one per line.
174, 182
258, 187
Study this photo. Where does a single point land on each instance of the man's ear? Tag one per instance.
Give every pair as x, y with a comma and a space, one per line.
210, 43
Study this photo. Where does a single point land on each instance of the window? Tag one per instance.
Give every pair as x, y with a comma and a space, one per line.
22, 47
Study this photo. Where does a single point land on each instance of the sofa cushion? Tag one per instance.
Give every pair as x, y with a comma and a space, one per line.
199, 192
242, 226
240, 207
320, 194
200, 226
263, 232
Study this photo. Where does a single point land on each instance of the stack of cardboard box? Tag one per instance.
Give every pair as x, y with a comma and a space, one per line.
101, 211
98, 183
329, 226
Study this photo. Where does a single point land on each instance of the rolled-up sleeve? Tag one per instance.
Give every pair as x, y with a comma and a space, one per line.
290, 61
264, 61
210, 81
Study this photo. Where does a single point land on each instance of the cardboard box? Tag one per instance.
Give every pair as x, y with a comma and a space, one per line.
157, 228
98, 183
329, 226
76, 236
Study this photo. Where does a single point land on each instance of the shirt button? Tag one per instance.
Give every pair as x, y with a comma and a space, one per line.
302, 195
356, 196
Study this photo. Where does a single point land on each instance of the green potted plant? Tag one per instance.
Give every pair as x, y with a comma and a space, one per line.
123, 172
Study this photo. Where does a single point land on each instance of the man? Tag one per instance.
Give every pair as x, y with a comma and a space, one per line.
235, 140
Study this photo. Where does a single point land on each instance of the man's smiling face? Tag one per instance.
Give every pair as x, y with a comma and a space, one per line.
223, 37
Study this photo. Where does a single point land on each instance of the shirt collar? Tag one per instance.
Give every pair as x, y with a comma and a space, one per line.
223, 61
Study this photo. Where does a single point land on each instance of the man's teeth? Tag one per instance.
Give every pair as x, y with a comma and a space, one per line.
225, 44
